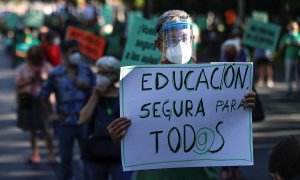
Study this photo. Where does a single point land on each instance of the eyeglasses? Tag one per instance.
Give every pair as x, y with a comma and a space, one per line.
173, 41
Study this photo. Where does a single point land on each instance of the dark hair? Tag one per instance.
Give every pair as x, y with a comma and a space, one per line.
70, 44
50, 36
35, 55
171, 16
230, 53
285, 159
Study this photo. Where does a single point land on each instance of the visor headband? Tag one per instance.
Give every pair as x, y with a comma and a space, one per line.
175, 24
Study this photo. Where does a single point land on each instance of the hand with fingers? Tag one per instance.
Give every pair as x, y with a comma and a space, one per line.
82, 85
250, 100
117, 129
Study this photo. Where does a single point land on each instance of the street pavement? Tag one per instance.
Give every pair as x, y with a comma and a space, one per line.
282, 120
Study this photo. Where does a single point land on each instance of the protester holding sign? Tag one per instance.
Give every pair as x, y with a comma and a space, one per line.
101, 154
290, 43
175, 42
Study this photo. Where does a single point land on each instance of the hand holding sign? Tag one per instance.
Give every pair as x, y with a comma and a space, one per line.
117, 129
250, 99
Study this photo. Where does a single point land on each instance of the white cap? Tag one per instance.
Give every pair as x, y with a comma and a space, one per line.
108, 64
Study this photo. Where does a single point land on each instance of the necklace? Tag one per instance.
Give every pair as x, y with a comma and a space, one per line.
109, 111
109, 102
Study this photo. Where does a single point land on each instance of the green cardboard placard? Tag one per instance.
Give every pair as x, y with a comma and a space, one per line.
131, 17
107, 13
11, 20
202, 22
140, 48
260, 16
261, 35
113, 44
34, 18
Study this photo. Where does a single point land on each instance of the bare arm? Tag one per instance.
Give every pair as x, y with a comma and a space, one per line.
21, 84
87, 111
21, 54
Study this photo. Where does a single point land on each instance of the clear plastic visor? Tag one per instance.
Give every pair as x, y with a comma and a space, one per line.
171, 34
177, 42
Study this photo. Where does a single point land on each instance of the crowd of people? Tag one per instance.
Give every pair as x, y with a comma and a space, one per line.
59, 88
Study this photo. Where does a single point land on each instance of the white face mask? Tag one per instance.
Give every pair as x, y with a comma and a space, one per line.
75, 58
104, 82
56, 41
293, 33
179, 54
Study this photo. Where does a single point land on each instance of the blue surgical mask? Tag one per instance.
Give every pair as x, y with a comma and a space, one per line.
56, 41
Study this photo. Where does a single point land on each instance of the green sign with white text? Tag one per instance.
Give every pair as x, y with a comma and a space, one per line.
131, 17
140, 47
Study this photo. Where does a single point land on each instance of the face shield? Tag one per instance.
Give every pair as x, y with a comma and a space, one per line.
177, 42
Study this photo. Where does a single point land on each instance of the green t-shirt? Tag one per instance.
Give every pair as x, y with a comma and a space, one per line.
24, 47
196, 173
291, 51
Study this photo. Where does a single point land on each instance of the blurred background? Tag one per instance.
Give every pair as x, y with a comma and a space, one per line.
27, 23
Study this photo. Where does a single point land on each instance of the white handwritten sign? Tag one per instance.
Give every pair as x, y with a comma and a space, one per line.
186, 115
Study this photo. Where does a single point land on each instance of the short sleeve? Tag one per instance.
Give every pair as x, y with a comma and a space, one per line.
47, 87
